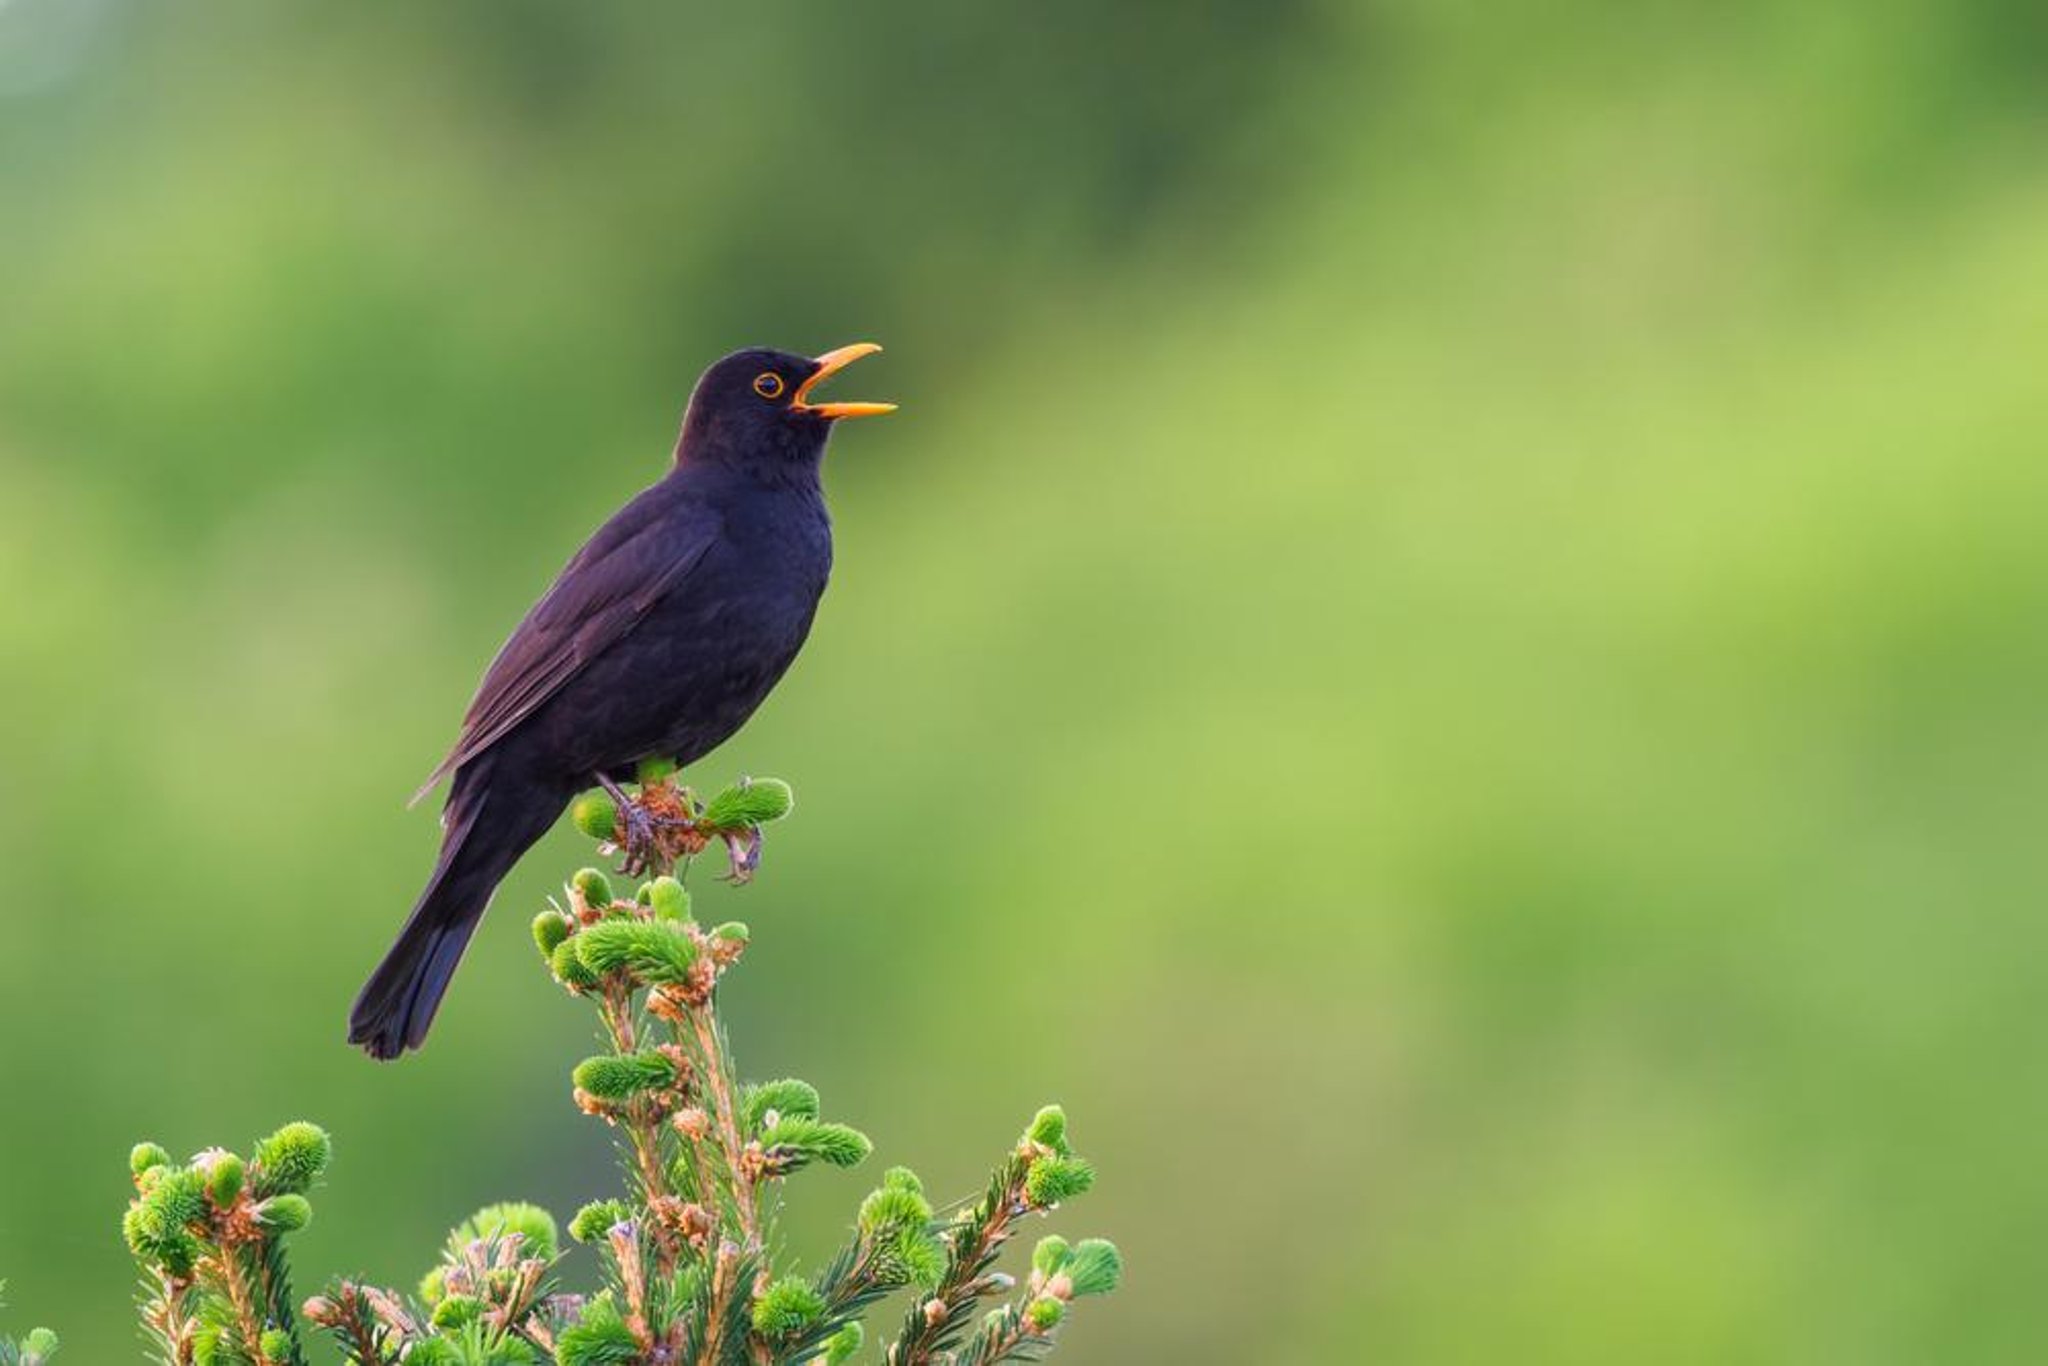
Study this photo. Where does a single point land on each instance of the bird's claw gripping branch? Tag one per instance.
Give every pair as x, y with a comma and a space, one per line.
663, 824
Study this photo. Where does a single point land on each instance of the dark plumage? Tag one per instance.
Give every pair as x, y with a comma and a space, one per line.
659, 638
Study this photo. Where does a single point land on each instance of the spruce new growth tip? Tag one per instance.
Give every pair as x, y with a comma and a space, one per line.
38, 1347
209, 1235
692, 1268
1041, 1172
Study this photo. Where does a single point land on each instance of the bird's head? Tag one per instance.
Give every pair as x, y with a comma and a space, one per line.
758, 407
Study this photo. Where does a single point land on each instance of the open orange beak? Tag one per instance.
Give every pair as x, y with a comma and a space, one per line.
830, 364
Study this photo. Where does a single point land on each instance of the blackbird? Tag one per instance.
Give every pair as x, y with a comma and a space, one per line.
658, 639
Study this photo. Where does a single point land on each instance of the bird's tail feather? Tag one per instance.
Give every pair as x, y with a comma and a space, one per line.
489, 825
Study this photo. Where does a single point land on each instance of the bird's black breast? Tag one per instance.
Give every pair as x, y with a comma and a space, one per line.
710, 648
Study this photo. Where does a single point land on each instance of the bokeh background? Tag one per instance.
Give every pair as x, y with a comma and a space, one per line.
1449, 646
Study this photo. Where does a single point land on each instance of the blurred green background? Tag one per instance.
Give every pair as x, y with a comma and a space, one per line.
1449, 646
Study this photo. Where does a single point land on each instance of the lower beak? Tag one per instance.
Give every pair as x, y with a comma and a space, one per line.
830, 364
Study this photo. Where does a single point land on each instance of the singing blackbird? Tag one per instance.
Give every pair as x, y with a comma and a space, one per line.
658, 639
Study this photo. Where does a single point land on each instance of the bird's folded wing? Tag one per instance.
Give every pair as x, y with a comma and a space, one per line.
612, 582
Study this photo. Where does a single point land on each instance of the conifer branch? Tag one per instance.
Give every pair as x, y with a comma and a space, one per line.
687, 1252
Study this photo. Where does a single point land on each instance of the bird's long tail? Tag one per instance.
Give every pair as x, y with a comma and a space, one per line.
489, 825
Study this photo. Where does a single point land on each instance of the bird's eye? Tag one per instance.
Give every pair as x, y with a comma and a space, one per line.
768, 384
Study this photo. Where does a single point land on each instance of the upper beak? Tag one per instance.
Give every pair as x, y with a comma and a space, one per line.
829, 364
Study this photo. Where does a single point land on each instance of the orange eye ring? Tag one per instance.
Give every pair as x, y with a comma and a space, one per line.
768, 384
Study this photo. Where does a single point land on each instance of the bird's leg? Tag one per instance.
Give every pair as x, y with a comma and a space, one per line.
639, 845
743, 855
